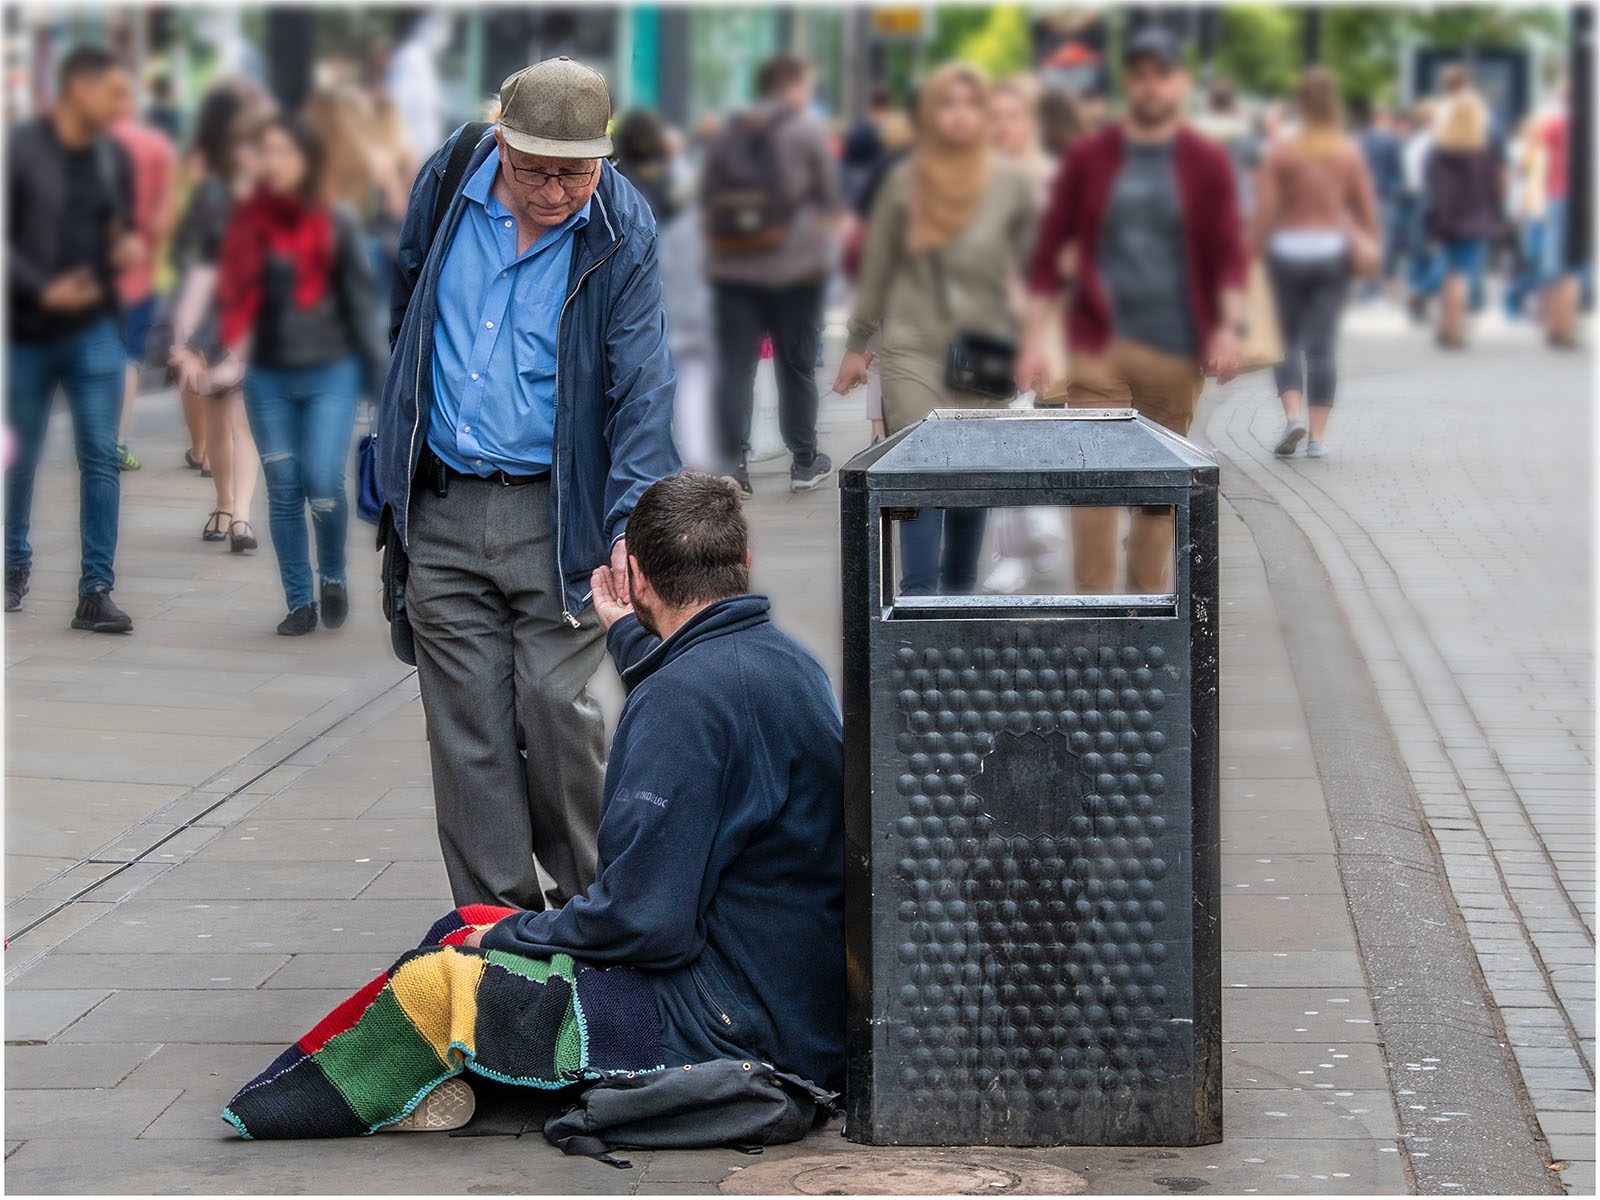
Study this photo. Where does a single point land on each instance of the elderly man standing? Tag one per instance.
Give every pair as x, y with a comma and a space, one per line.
527, 407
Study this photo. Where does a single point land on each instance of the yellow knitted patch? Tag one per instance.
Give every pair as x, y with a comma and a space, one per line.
439, 994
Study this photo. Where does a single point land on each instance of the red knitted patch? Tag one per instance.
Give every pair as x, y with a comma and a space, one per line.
343, 1017
483, 914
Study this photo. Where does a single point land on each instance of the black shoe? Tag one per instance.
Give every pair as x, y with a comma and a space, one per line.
299, 622
803, 479
240, 542
739, 476
216, 528
16, 587
335, 604
98, 613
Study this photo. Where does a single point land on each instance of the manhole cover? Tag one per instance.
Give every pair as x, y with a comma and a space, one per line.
908, 1172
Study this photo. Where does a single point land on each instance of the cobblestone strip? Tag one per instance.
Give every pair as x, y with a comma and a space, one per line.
1534, 944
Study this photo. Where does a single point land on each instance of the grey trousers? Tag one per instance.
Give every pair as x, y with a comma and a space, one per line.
517, 741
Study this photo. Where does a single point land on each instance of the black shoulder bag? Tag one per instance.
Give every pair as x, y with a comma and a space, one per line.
977, 363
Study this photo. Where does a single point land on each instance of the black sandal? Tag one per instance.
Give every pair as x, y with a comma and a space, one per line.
193, 463
216, 530
240, 542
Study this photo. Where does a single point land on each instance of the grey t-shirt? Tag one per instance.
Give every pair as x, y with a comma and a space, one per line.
1141, 252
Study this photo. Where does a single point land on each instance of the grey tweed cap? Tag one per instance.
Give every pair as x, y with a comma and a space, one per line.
557, 108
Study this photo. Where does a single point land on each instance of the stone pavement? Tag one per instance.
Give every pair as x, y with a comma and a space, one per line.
215, 833
1454, 520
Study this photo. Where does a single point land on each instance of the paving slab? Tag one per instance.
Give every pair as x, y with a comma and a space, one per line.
160, 972
267, 1017
108, 1114
65, 1065
324, 880
277, 927
39, 1016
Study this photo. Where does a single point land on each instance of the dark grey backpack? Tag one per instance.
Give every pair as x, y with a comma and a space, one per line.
740, 1104
747, 208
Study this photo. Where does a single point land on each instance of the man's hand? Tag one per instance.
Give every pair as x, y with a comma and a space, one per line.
72, 292
608, 606
475, 938
1032, 372
852, 371
1222, 355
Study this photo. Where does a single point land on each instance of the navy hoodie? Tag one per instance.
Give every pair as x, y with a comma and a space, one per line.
721, 845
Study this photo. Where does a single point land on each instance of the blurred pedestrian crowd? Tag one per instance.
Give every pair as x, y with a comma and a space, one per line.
997, 243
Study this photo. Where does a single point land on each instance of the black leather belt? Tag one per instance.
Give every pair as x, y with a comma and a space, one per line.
435, 474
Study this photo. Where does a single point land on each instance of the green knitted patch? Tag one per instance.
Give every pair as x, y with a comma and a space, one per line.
536, 969
569, 1041
382, 1062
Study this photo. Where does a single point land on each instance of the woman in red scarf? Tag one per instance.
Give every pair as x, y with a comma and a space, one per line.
294, 299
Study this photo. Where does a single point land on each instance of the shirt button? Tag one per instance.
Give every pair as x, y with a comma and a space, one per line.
488, 324
474, 374
466, 429
508, 224
503, 274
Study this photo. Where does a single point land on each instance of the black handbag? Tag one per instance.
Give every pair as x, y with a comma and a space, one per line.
978, 363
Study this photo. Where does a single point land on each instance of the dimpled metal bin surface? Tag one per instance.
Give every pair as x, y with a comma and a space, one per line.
1031, 808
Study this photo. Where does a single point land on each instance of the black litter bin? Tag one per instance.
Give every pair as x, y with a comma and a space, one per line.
1031, 791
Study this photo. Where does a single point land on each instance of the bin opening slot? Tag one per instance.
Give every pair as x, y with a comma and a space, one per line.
1027, 561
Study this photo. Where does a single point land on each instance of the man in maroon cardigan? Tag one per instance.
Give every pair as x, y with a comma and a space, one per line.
1143, 226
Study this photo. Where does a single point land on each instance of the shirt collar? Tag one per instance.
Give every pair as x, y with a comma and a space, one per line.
480, 188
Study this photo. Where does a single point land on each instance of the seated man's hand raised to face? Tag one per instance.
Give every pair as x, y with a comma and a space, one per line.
610, 605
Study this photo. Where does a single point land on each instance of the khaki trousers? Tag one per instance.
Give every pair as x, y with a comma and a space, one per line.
1165, 388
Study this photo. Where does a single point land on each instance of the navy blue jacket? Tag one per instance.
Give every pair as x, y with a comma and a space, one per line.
721, 845
614, 378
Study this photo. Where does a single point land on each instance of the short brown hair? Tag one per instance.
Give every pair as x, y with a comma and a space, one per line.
689, 534
780, 71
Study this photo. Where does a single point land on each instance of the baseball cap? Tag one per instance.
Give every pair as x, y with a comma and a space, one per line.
557, 108
1153, 41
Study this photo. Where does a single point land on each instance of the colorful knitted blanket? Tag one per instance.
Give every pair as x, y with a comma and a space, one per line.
442, 1009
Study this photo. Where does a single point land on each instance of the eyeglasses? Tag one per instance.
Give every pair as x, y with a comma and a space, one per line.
570, 180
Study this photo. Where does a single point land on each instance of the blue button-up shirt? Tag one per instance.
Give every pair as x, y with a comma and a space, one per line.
494, 337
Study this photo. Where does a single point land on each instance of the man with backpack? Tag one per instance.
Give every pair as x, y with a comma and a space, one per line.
770, 200
527, 406
69, 195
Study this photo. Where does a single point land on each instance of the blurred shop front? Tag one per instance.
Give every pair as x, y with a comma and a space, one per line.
685, 61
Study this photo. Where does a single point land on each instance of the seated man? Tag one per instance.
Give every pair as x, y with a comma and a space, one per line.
715, 928
721, 840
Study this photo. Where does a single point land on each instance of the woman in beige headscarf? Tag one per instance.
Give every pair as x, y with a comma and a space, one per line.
949, 236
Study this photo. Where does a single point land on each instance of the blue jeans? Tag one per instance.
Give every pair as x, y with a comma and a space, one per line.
303, 419
89, 367
1526, 280
924, 571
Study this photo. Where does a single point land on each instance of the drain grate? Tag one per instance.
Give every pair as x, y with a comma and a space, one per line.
907, 1172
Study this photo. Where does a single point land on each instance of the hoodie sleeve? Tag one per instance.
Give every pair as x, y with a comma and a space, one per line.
628, 641
666, 798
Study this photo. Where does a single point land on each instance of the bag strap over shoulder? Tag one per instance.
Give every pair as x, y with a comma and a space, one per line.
455, 171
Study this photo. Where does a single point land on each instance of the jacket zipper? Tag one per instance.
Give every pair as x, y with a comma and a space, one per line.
705, 994
555, 437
